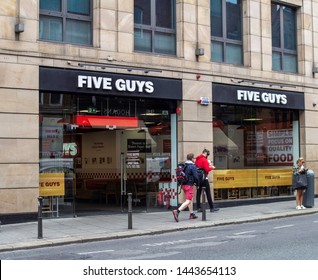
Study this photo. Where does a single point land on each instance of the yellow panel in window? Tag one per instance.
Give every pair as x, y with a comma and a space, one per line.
234, 178
243, 178
275, 177
51, 184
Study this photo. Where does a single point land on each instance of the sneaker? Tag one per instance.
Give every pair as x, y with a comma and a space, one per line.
175, 215
193, 216
199, 210
298, 207
214, 210
302, 207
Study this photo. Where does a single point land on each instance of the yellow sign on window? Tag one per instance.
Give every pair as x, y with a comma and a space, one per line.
245, 178
52, 184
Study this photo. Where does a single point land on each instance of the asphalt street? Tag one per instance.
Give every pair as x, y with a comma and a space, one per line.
60, 231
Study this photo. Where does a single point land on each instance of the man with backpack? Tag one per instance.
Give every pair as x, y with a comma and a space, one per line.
203, 163
188, 183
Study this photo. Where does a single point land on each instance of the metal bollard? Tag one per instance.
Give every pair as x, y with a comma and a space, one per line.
40, 224
203, 205
130, 211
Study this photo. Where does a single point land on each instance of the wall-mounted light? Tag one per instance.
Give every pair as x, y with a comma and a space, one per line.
254, 82
129, 69
314, 104
19, 27
110, 58
199, 51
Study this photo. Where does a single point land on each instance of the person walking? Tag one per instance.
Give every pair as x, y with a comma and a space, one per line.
188, 188
203, 163
300, 183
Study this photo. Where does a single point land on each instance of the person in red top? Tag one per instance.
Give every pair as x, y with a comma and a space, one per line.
203, 163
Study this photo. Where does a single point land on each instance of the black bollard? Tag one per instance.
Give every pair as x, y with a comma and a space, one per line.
40, 224
130, 211
203, 205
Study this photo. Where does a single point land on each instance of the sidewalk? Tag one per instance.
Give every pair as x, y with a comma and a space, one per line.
60, 231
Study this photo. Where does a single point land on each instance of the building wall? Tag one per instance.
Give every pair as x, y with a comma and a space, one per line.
19, 109
113, 33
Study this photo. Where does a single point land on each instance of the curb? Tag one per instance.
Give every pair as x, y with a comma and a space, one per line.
41, 243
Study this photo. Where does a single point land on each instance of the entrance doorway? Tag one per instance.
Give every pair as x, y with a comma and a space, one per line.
113, 164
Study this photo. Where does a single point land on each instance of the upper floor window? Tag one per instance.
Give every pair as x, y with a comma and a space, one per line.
284, 43
155, 29
226, 31
68, 21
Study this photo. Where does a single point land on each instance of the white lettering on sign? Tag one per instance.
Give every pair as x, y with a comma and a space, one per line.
265, 97
120, 84
94, 82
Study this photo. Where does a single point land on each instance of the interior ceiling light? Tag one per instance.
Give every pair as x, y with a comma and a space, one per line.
88, 111
151, 114
252, 119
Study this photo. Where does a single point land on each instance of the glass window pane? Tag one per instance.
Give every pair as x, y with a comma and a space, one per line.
276, 26
142, 12
238, 120
165, 13
81, 7
162, 15
50, 28
78, 32
165, 43
51, 5
290, 63
234, 20
216, 18
233, 54
276, 61
56, 99
289, 28
217, 51
142, 40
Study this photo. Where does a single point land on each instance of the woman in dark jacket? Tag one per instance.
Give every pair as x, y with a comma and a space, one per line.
299, 170
188, 188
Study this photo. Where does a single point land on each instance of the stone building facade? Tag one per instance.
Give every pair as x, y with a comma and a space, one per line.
23, 54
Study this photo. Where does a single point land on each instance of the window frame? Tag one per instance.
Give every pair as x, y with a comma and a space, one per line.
64, 15
224, 40
153, 28
282, 51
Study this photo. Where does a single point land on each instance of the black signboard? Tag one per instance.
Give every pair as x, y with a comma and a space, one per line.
253, 96
89, 82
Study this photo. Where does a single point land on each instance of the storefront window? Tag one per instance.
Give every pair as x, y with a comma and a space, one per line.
96, 149
254, 148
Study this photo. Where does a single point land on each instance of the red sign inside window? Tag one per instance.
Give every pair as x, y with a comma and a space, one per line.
106, 121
